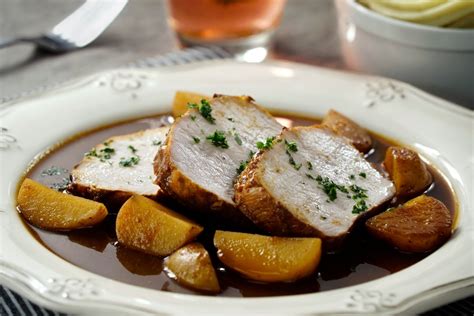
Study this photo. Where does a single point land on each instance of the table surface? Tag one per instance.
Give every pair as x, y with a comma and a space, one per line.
141, 30
308, 33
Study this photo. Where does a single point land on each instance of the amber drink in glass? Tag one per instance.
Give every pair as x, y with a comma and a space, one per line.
234, 24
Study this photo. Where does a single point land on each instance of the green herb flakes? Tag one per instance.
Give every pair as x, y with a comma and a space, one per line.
103, 154
242, 166
129, 162
197, 140
292, 161
328, 186
359, 193
205, 109
218, 139
291, 146
359, 207
238, 140
309, 165
267, 144
363, 175
132, 149
156, 142
62, 185
53, 171
359, 196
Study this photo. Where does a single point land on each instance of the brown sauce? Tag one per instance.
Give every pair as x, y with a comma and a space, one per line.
96, 249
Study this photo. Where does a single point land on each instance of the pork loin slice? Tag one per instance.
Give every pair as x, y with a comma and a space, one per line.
119, 167
310, 183
199, 163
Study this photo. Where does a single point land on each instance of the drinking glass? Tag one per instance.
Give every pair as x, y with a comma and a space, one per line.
239, 26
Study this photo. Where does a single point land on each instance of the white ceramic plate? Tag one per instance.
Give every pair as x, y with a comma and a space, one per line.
439, 130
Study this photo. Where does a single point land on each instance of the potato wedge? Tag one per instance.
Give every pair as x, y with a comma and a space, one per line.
192, 267
407, 171
268, 259
53, 210
148, 226
348, 129
181, 100
419, 225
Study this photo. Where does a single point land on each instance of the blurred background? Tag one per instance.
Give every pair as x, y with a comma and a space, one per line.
307, 33
328, 33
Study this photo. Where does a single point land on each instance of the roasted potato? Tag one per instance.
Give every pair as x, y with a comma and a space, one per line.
407, 171
348, 129
181, 100
53, 210
268, 259
419, 225
148, 226
192, 267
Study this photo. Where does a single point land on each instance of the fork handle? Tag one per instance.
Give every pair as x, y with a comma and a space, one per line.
6, 42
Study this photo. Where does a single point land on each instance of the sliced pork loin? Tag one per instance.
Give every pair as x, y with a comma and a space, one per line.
119, 167
310, 183
204, 151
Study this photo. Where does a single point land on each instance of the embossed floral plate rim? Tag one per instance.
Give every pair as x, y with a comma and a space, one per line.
441, 131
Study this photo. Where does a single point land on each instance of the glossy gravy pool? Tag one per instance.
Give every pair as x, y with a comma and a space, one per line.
96, 249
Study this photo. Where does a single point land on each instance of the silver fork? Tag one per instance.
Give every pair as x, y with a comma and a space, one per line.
78, 29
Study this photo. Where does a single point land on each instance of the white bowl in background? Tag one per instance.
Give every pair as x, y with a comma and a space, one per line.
436, 59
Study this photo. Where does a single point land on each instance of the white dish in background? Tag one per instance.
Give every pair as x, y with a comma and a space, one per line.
440, 60
441, 131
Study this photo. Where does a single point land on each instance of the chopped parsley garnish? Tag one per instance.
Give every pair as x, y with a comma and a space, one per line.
328, 186
363, 175
292, 161
359, 207
107, 152
156, 142
132, 149
238, 140
230, 119
359, 193
359, 197
309, 165
323, 217
352, 177
103, 154
218, 139
193, 117
267, 144
129, 162
205, 109
197, 140
92, 153
291, 146
61, 186
53, 171
243, 164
